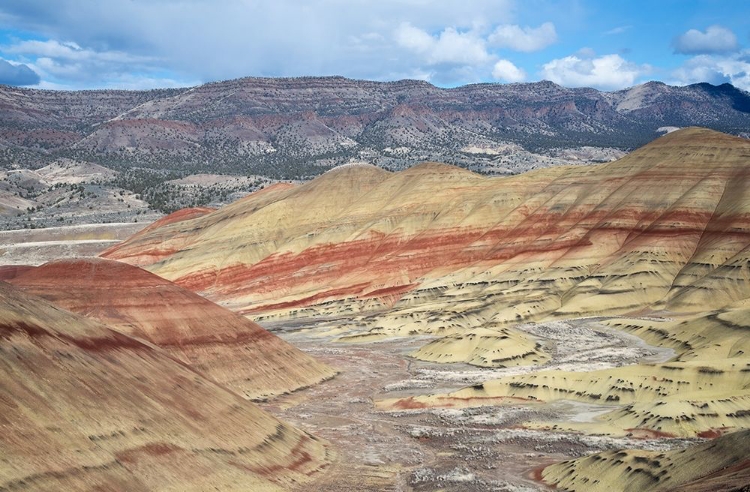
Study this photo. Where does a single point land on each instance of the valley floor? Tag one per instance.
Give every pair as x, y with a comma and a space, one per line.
483, 448
38, 246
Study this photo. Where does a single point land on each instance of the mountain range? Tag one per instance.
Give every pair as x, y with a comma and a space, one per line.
290, 128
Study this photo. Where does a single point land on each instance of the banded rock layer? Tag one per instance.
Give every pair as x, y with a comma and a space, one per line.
84, 407
666, 227
222, 345
663, 232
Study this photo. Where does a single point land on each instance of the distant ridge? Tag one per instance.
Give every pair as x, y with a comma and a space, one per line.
298, 127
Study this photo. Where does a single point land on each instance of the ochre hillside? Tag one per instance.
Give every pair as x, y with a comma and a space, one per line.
660, 239
84, 407
216, 342
664, 228
723, 464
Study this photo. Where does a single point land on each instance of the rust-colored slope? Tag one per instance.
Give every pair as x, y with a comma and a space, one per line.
180, 215
8, 272
666, 226
173, 218
84, 407
220, 344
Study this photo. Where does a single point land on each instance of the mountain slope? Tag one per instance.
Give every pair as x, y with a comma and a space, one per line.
84, 407
604, 239
225, 347
659, 239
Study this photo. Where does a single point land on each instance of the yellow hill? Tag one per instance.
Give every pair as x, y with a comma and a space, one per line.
722, 464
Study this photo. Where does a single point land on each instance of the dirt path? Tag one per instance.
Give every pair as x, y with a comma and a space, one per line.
469, 449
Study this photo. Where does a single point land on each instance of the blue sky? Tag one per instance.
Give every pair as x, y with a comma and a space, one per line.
137, 44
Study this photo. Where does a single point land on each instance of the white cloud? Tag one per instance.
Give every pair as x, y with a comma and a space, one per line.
209, 40
67, 64
71, 51
715, 69
524, 39
605, 72
716, 39
460, 48
414, 39
506, 71
449, 47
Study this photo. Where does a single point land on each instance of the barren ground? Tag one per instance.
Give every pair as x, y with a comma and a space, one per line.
37, 246
454, 449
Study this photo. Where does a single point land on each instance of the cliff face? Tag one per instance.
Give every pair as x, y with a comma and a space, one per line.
83, 406
221, 345
284, 123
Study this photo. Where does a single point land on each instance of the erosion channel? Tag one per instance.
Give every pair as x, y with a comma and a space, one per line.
480, 448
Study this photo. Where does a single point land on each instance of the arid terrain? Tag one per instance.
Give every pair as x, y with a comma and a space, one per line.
482, 448
111, 156
572, 327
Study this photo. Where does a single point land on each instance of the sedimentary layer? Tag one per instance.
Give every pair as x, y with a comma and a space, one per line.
84, 407
222, 345
667, 226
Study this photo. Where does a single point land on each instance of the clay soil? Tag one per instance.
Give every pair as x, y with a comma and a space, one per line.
486, 448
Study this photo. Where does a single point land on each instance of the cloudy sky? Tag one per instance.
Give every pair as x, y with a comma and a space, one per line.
607, 44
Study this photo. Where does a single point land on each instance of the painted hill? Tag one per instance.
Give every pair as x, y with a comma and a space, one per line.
216, 342
666, 227
660, 239
84, 407
722, 464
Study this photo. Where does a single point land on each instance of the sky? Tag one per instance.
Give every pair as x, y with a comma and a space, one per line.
145, 44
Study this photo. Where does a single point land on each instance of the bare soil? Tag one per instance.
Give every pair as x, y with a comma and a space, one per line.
449, 449
38, 246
